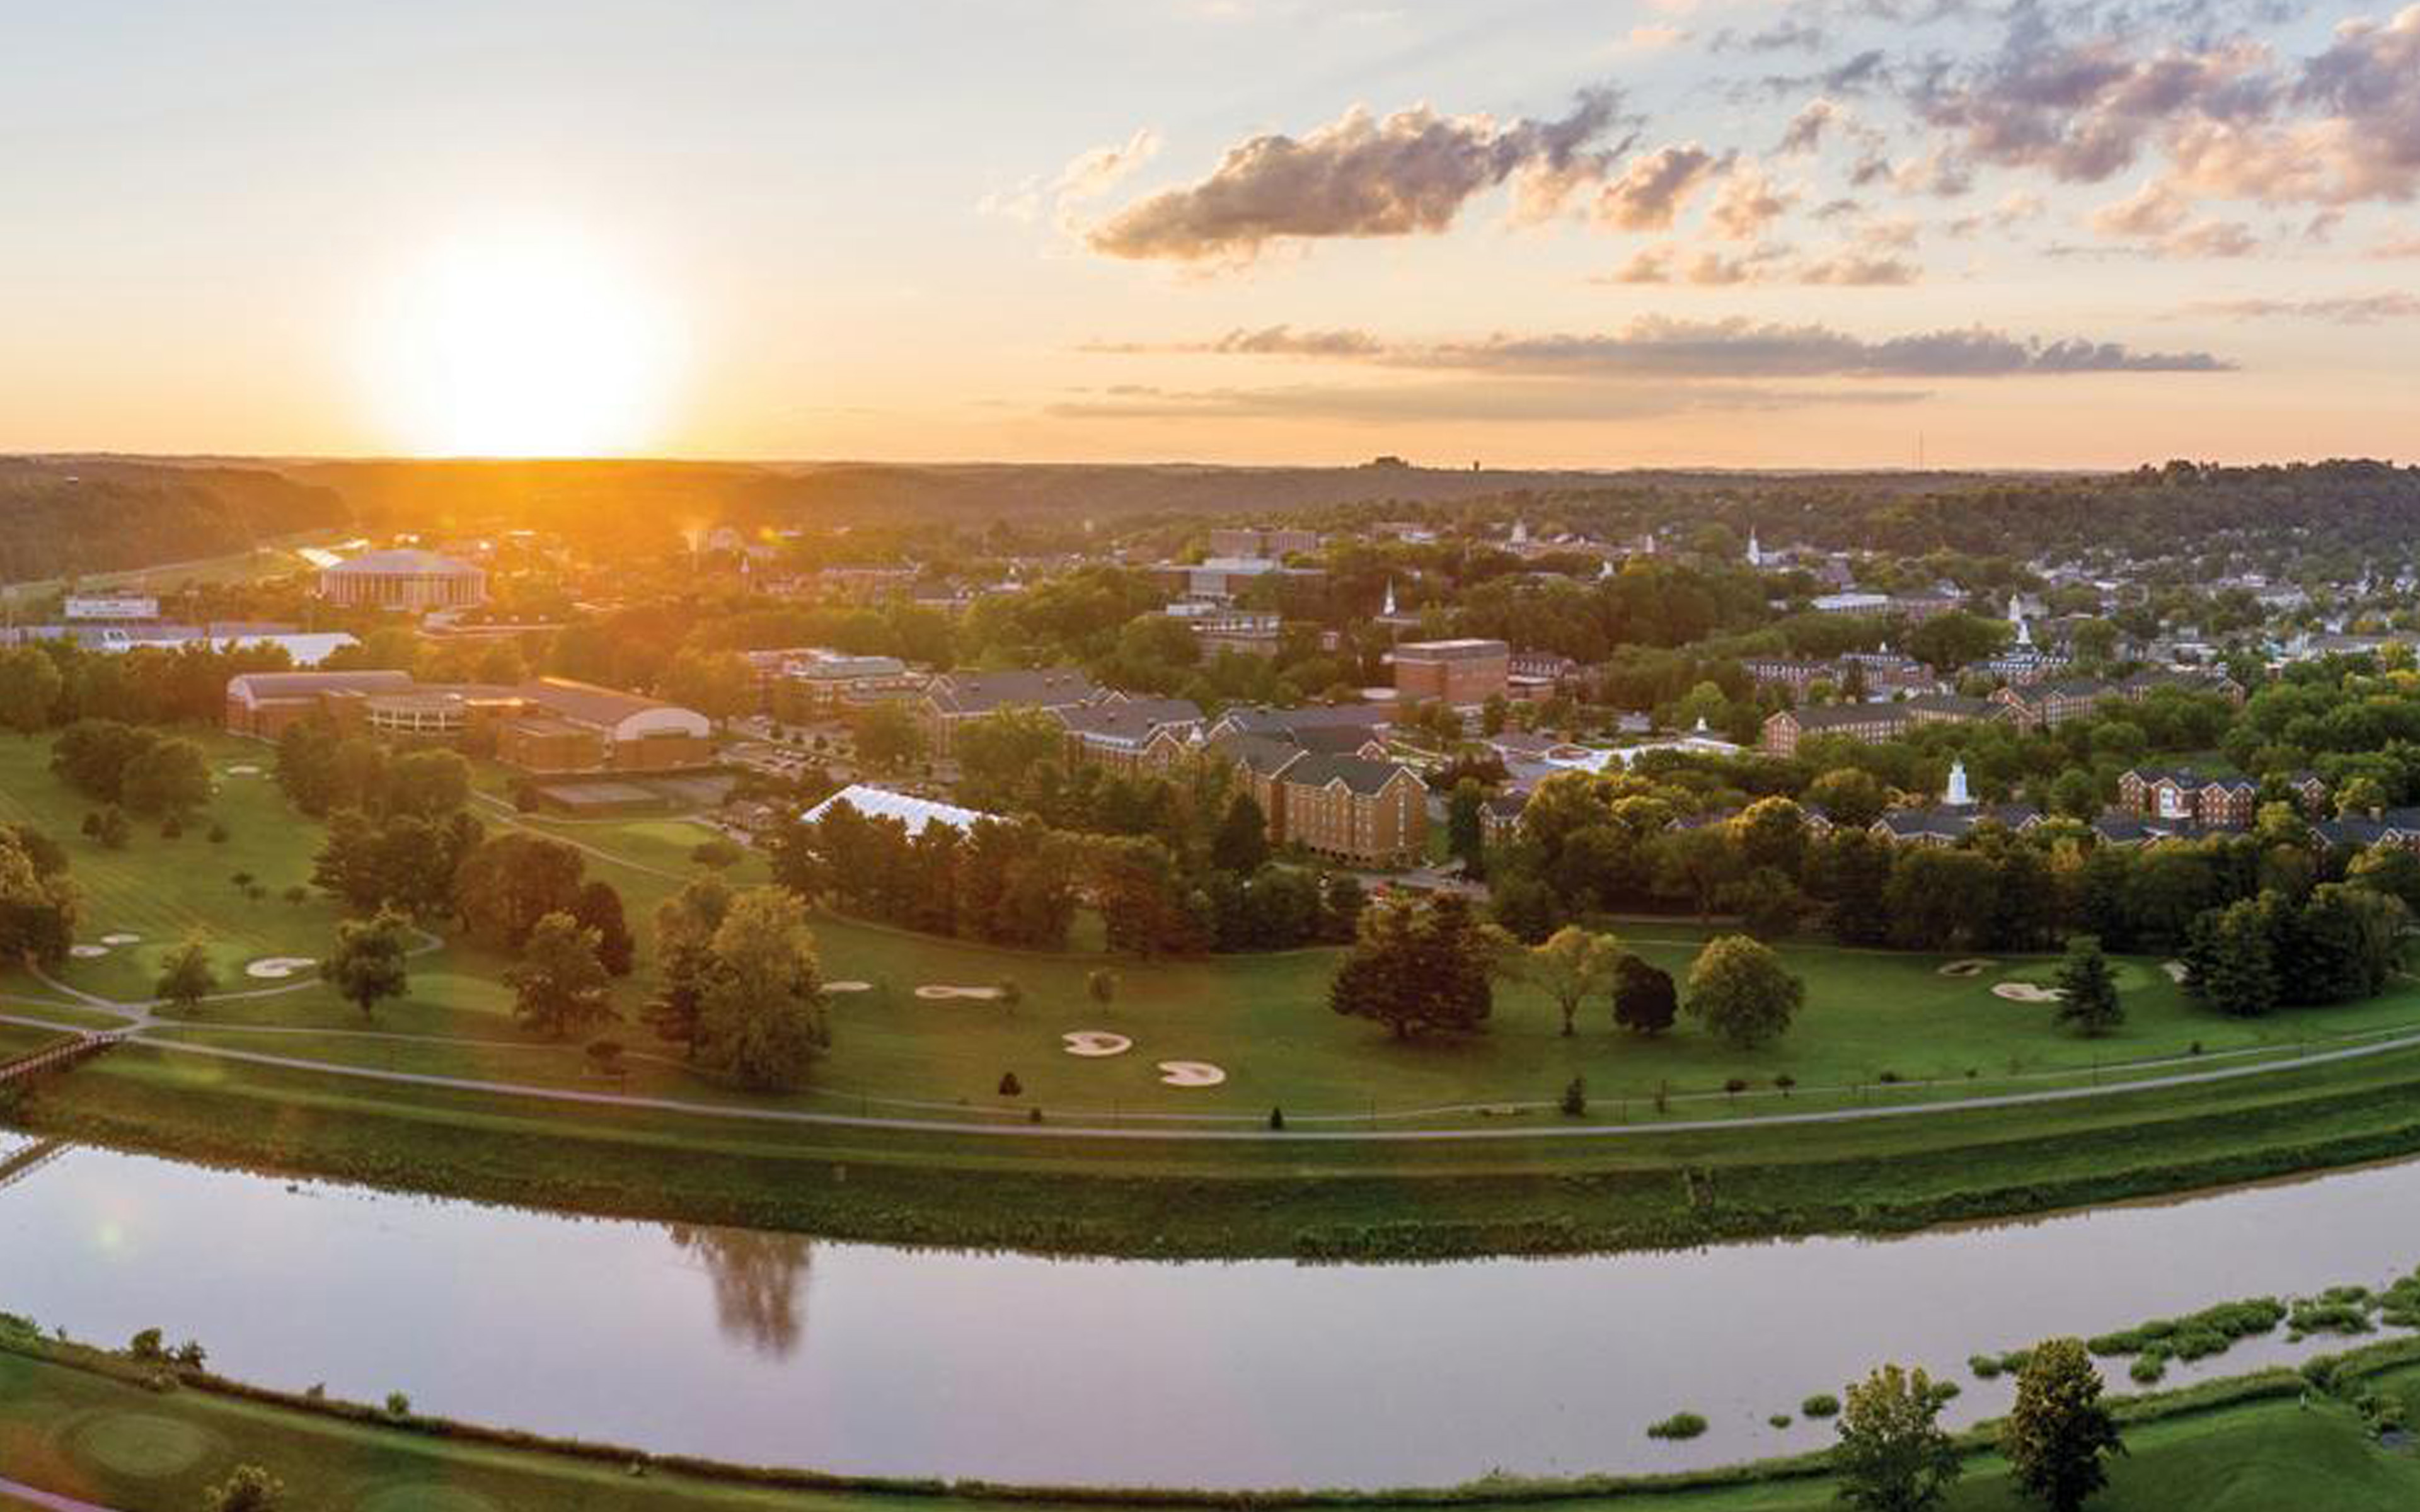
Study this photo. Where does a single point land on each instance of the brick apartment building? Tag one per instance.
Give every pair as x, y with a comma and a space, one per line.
952, 699
1356, 808
1131, 734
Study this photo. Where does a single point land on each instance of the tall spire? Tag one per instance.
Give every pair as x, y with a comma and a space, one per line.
1957, 797
1388, 607
1755, 552
2017, 617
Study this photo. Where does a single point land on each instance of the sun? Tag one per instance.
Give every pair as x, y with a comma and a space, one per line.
530, 341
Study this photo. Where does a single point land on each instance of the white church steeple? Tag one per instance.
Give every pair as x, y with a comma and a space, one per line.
1755, 552
1387, 609
2017, 618
1957, 797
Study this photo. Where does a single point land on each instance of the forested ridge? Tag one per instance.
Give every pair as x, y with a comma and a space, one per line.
65, 516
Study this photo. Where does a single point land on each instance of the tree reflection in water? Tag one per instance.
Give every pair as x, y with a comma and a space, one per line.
759, 1283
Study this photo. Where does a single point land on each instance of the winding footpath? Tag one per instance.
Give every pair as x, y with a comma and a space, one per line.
14, 1493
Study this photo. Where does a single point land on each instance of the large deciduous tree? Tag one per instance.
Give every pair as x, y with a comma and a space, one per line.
1740, 990
1573, 966
1893, 1455
559, 986
1420, 965
2088, 989
761, 1016
367, 966
2059, 1437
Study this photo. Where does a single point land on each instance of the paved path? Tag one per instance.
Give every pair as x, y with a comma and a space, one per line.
13, 1492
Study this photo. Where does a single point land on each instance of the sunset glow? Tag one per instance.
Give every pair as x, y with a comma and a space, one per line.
532, 342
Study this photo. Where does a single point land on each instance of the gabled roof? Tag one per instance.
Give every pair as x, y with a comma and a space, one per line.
1041, 687
1133, 723
1363, 775
1259, 754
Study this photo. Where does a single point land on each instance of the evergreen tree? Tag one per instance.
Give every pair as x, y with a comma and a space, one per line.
2088, 989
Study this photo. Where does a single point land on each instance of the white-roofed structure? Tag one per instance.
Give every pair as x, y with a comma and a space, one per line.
911, 812
403, 579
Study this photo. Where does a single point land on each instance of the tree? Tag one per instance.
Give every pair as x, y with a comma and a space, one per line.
717, 684
1101, 985
558, 984
684, 926
170, 777
1242, 843
761, 1015
1574, 964
2230, 956
598, 909
247, 1489
510, 880
1419, 966
1946, 642
2059, 1436
1893, 1455
369, 965
427, 784
1739, 989
1850, 799
1644, 999
30, 686
888, 737
39, 903
186, 977
1466, 828
2088, 989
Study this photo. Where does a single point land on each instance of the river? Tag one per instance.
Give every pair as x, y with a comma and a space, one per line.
858, 1358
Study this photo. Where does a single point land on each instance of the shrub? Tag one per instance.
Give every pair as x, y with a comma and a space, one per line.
1784, 1082
1779, 1420
2148, 1368
398, 1404
1736, 1085
1009, 1086
1575, 1100
1679, 1425
1277, 1118
1822, 1404
1985, 1366
147, 1345
218, 835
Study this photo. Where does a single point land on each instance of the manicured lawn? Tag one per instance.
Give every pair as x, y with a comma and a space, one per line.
1873, 1017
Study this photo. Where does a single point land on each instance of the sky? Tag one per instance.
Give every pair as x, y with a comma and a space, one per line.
1738, 233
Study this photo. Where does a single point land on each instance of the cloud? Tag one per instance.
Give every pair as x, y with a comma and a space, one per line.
1805, 133
1652, 190
1858, 270
1746, 205
1665, 348
1493, 400
1406, 174
1092, 174
2344, 310
2161, 222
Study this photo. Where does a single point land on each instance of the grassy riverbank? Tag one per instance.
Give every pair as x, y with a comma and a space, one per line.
79, 1423
1047, 1189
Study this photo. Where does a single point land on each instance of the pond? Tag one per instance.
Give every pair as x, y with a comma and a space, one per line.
779, 1349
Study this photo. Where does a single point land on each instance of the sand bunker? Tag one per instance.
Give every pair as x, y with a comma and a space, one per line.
2025, 992
2176, 970
1190, 1073
1967, 968
936, 992
278, 967
243, 770
121, 938
87, 952
849, 986
1094, 1043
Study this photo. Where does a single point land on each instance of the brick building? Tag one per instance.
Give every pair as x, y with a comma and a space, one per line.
952, 699
1460, 673
1356, 808
548, 724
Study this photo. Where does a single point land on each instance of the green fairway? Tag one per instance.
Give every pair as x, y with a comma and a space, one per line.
77, 1430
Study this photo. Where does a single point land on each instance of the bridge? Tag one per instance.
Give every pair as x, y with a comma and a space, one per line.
59, 1057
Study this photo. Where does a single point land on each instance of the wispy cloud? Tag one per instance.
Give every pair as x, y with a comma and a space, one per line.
2344, 310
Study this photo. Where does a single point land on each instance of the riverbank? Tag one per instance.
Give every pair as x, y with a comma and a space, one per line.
1058, 1192
136, 1438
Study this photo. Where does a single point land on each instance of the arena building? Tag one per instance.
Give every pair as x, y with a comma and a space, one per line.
414, 581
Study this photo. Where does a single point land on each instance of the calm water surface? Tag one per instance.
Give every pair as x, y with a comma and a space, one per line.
775, 1349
